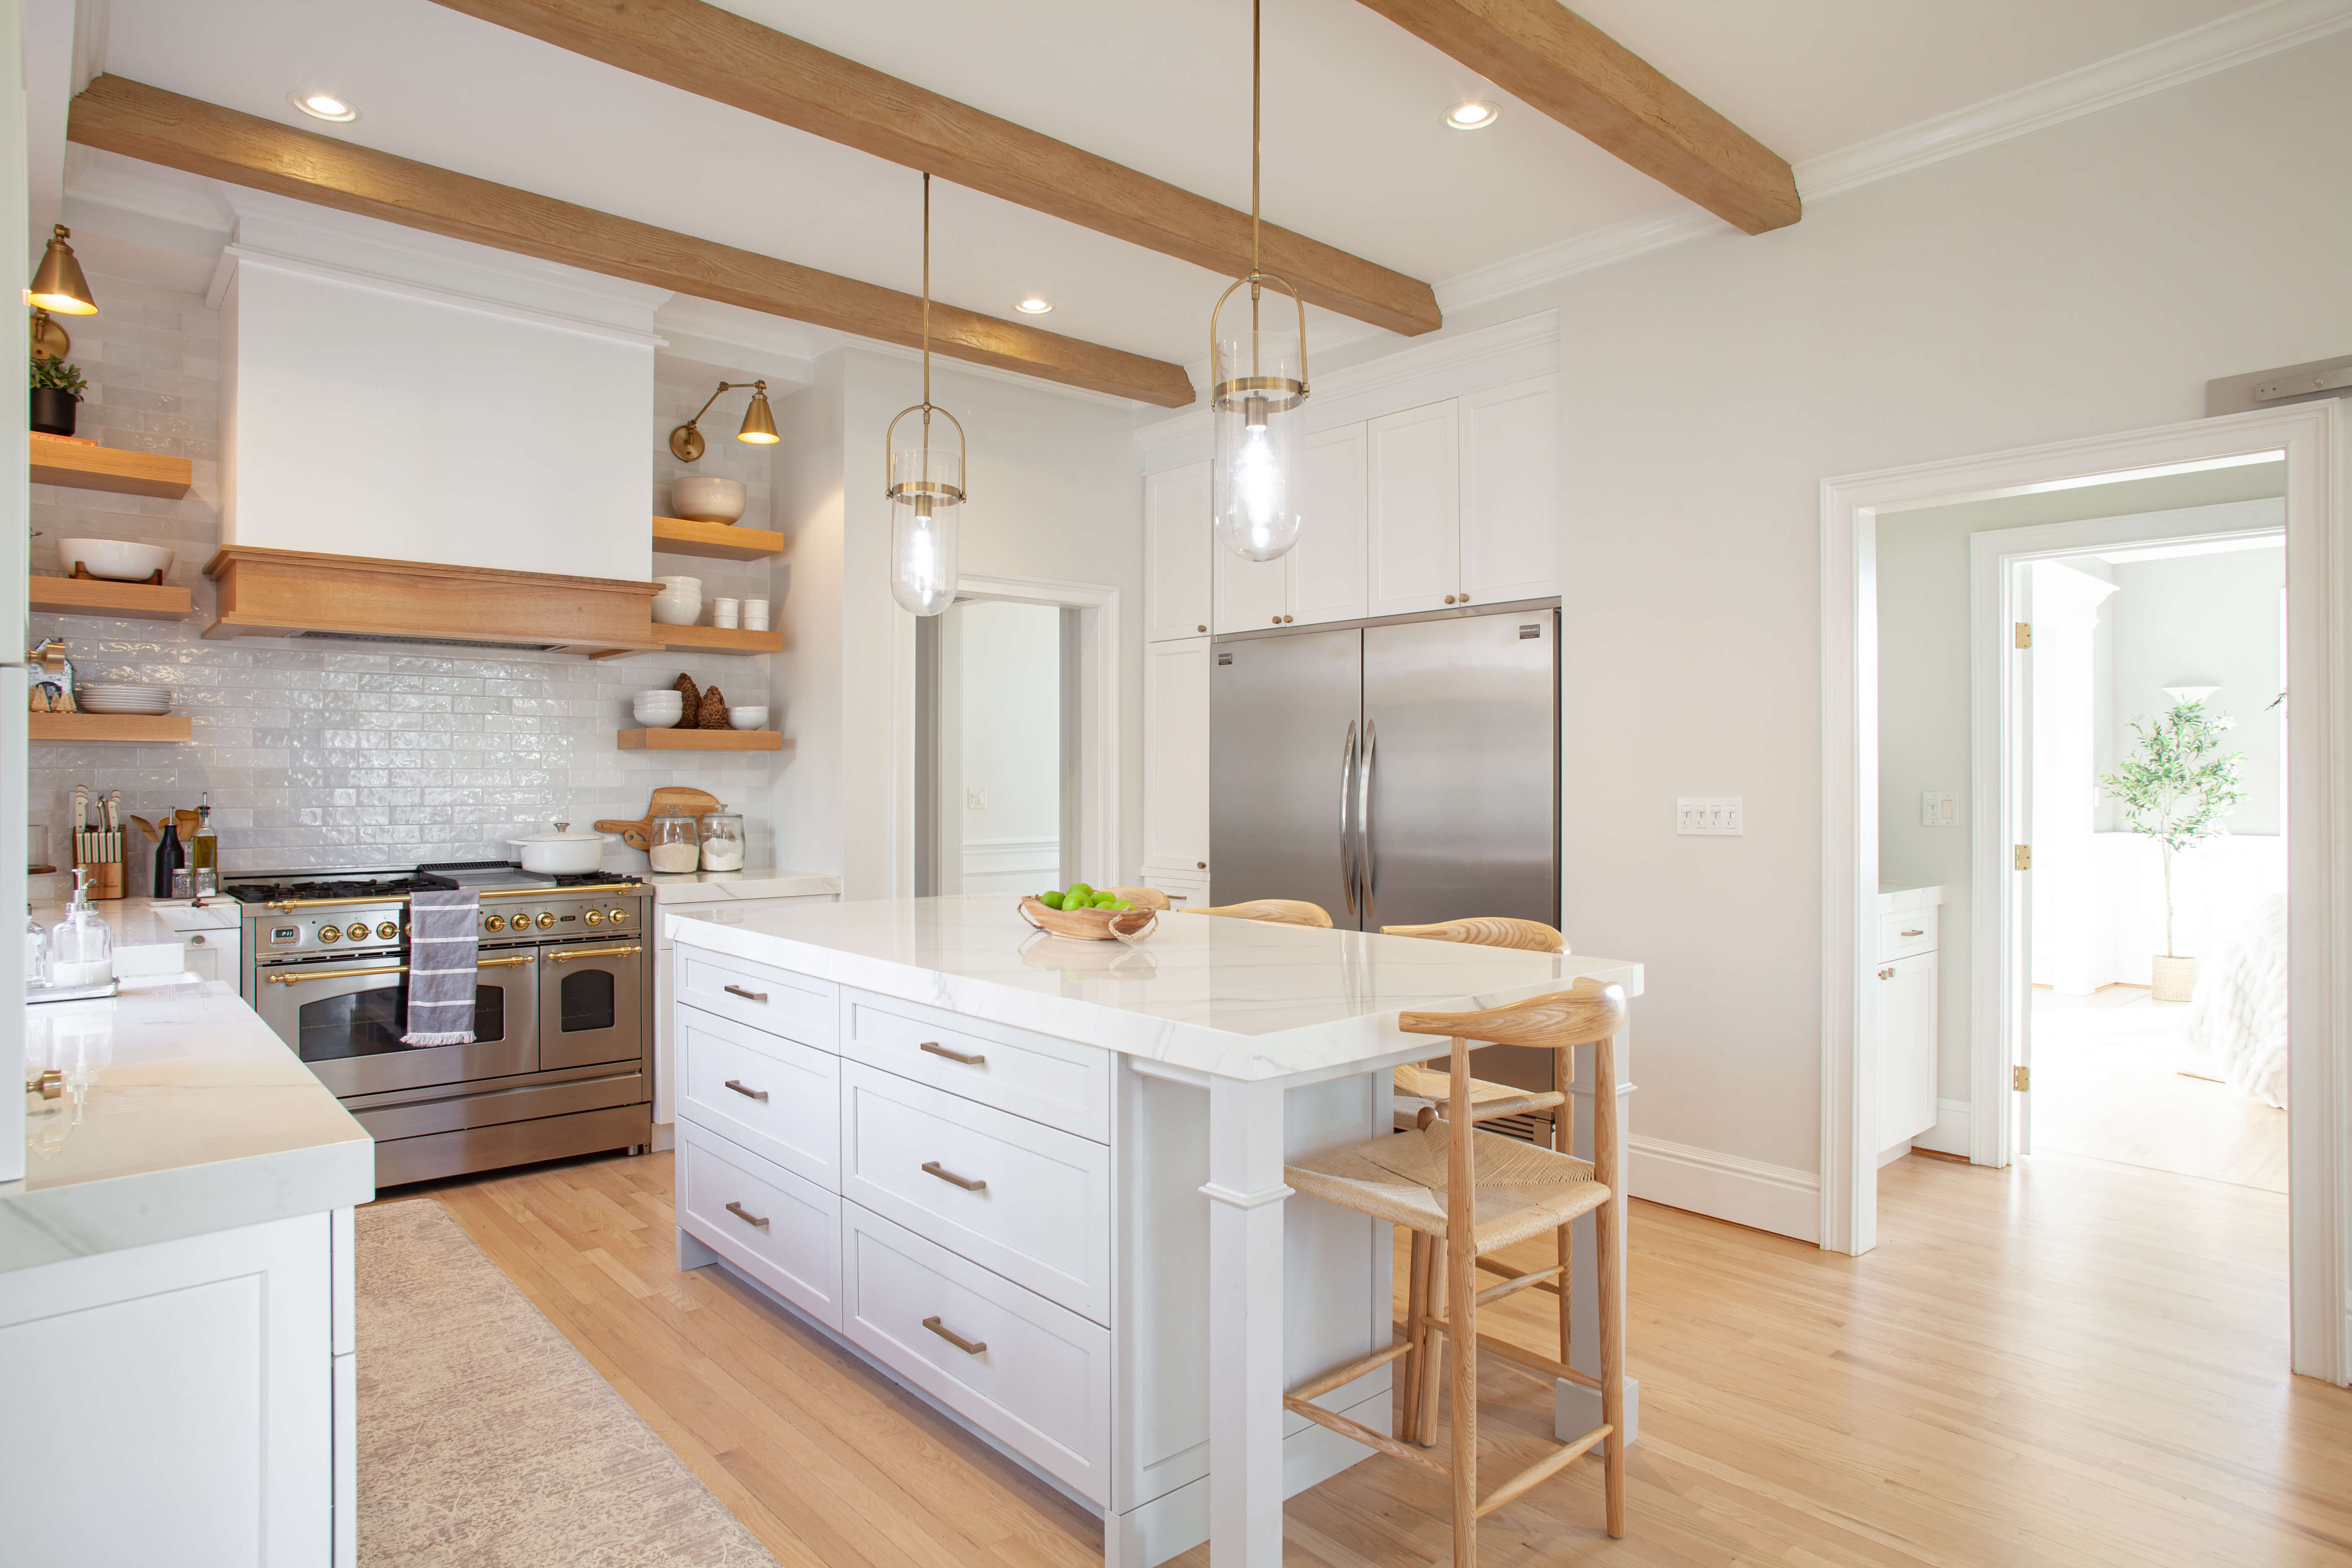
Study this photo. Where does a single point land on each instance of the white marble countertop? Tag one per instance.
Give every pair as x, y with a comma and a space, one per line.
1234, 998
751, 882
139, 923
184, 1114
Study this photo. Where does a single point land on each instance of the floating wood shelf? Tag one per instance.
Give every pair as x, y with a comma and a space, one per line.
704, 639
164, 729
109, 469
117, 601
715, 540
702, 740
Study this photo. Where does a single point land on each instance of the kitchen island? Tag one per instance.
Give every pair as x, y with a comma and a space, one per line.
1040, 1180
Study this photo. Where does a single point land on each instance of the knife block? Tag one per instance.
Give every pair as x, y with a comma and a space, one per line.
105, 878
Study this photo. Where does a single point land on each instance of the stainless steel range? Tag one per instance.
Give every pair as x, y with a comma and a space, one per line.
562, 1061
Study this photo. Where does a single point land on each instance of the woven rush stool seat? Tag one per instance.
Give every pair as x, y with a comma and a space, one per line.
1421, 1087
1519, 1189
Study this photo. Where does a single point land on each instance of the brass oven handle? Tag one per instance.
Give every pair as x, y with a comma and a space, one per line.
747, 995
563, 892
938, 1049
330, 974
568, 955
747, 1218
760, 1094
502, 962
969, 1347
934, 1167
283, 905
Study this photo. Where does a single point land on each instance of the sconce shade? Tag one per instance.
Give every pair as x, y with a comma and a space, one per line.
758, 424
57, 284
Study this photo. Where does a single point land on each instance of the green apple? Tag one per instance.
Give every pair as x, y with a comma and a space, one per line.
1077, 894
1051, 900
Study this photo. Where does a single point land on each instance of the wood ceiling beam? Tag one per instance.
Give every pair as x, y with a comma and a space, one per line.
715, 54
1555, 61
141, 122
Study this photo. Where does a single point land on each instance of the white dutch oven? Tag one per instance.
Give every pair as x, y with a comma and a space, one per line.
561, 852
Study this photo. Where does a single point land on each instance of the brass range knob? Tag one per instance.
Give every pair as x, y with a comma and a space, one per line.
617, 916
495, 924
545, 919
386, 929
330, 933
358, 931
595, 917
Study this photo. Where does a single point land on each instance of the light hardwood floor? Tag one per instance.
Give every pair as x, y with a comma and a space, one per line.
2067, 1363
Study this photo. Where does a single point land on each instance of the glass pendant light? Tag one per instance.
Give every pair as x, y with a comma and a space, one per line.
1258, 385
925, 485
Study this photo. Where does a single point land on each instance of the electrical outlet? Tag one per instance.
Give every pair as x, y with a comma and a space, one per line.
1715, 816
1938, 808
976, 799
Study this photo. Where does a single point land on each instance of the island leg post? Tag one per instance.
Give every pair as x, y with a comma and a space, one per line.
1246, 1191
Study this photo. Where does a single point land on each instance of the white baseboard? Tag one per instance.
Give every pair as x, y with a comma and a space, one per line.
1951, 1133
1777, 1198
1888, 1156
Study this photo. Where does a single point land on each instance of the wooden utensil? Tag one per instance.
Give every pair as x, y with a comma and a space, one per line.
1090, 925
670, 800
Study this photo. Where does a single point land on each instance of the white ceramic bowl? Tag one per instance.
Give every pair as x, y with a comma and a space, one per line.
747, 718
704, 497
115, 560
676, 607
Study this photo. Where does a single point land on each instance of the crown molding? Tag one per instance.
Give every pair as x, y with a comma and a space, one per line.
2218, 45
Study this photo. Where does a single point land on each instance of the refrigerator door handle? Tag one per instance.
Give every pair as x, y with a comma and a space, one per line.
1366, 865
1347, 845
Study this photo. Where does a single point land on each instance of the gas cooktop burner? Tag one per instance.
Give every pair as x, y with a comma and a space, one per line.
391, 886
395, 884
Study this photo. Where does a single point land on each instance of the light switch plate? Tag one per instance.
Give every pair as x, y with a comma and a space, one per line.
1713, 816
976, 799
1938, 808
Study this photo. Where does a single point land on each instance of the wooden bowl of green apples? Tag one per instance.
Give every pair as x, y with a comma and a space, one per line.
1079, 910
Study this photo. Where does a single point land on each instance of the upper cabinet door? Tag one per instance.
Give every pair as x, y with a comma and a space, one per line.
1510, 492
1176, 757
1329, 581
1414, 472
1251, 595
1176, 552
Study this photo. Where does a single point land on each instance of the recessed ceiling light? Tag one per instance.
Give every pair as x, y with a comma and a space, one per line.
1473, 115
322, 106
1033, 306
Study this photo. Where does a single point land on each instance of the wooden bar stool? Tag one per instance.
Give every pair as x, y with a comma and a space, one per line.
1471, 1193
1427, 1085
1275, 911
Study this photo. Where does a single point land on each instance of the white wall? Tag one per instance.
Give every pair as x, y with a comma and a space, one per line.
1009, 657
2088, 278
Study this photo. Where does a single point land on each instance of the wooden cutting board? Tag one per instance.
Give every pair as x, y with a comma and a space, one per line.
670, 800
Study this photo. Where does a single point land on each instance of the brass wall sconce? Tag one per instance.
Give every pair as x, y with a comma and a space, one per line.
57, 285
686, 442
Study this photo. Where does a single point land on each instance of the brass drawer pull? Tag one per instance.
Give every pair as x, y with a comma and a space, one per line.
747, 995
749, 1218
968, 1185
1886, 974
1921, 931
938, 1049
969, 1347
330, 974
596, 952
759, 1094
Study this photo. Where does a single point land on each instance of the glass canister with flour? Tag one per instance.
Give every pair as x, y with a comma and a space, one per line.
673, 843
722, 840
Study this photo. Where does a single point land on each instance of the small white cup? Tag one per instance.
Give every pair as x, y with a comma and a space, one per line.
755, 614
726, 612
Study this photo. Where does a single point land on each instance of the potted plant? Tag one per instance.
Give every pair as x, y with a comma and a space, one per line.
57, 388
2176, 790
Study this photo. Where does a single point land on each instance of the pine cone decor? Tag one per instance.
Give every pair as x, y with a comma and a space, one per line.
692, 718
713, 714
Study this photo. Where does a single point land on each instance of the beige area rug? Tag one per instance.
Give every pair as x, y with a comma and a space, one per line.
486, 1441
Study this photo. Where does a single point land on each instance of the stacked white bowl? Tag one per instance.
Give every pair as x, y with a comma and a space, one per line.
679, 603
659, 710
142, 700
752, 717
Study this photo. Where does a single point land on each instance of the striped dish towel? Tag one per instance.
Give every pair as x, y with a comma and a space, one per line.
442, 927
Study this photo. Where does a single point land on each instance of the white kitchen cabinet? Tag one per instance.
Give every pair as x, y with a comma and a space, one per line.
1253, 595
1176, 543
1330, 571
179, 1402
1413, 484
1176, 758
1904, 1004
1510, 492
723, 912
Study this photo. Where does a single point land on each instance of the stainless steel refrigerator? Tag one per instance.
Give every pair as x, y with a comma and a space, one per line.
1396, 773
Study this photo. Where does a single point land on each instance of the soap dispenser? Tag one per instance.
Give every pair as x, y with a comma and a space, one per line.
81, 945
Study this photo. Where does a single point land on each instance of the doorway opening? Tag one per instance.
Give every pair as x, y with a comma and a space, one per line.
998, 766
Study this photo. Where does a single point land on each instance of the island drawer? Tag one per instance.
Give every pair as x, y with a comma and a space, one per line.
779, 1229
1906, 933
772, 999
777, 1098
1029, 1202
1058, 1082
1032, 1375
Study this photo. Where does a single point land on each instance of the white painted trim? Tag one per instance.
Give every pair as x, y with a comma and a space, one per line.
1578, 253
232, 256
2319, 660
1777, 1198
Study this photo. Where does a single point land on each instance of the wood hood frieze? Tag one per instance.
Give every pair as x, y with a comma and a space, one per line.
290, 593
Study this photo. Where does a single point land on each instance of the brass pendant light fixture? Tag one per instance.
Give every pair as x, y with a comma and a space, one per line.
58, 287
1258, 386
924, 484
686, 442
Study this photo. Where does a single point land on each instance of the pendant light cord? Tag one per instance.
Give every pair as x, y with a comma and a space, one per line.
927, 326
1257, 134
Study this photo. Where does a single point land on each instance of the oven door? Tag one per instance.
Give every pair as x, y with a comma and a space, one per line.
592, 1003
345, 1020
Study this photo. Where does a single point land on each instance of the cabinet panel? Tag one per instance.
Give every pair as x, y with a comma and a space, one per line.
775, 1097
781, 1230
1252, 594
1907, 1049
1510, 492
1059, 1082
1176, 755
1413, 481
1330, 571
1176, 552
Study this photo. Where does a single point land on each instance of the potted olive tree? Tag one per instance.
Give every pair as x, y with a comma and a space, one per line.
57, 388
2176, 790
